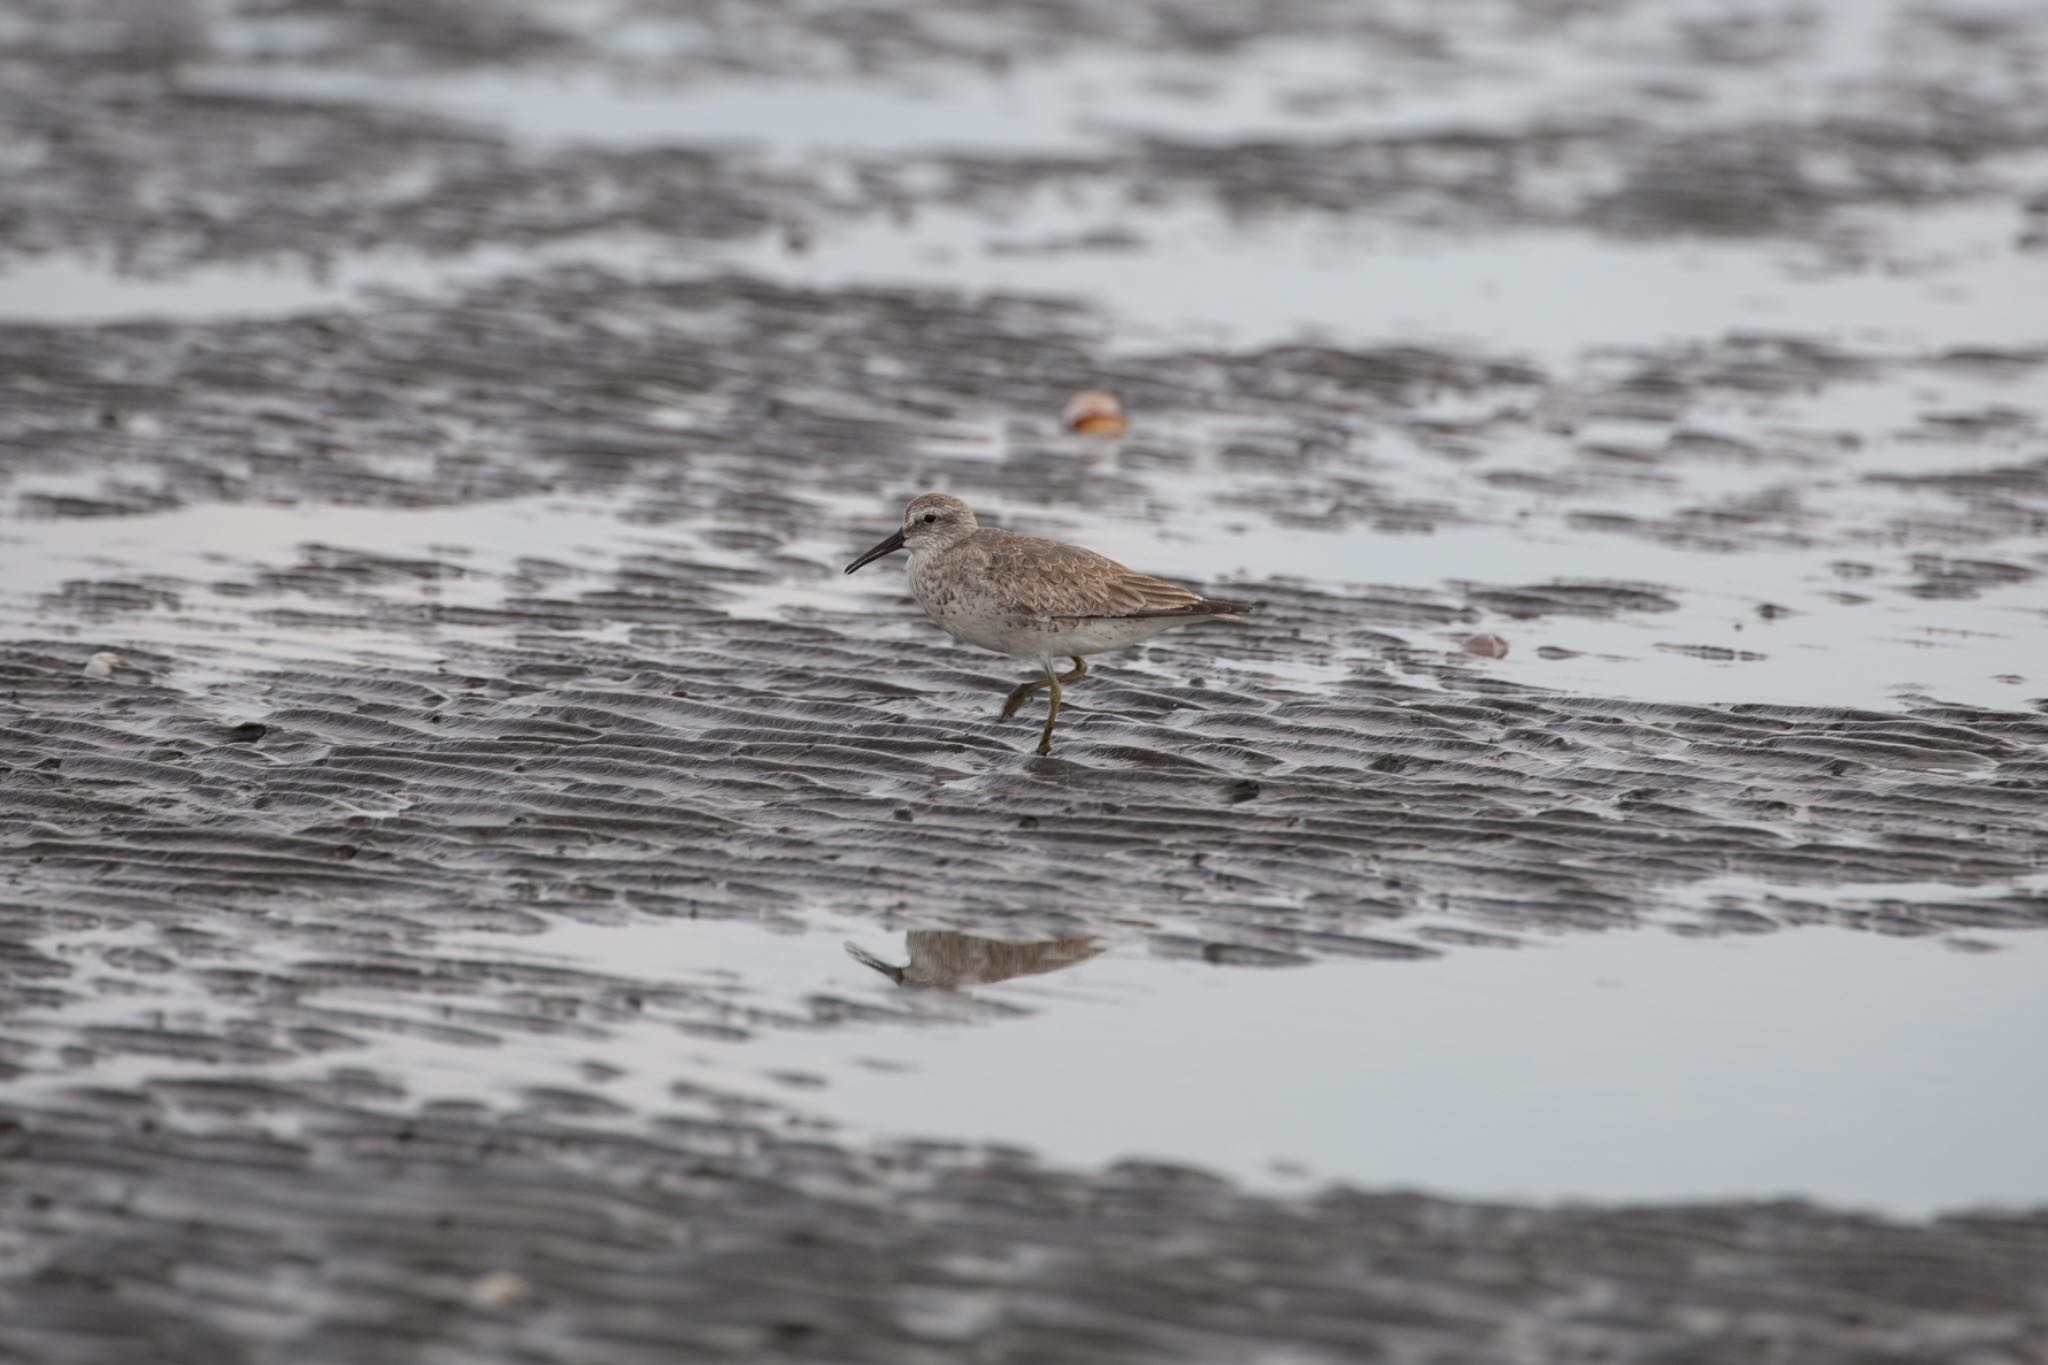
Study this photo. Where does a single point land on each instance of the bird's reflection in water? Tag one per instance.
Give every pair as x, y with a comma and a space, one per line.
944, 960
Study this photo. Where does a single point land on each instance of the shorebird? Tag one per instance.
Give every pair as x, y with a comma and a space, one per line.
1032, 598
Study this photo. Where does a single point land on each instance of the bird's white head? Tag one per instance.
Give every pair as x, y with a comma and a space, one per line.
931, 522
936, 520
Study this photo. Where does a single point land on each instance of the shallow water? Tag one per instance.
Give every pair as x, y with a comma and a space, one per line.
1829, 1064
1931, 280
1859, 1068
67, 289
1545, 1074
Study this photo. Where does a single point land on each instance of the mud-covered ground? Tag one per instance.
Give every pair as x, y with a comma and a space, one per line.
432, 433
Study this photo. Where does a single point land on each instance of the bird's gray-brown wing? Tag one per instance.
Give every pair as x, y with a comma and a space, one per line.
1052, 580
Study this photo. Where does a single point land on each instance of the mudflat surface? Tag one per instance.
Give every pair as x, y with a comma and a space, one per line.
421, 940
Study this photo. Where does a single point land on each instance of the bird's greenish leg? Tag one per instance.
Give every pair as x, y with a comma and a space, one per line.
1052, 712
1017, 697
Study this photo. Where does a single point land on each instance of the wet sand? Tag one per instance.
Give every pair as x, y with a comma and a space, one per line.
423, 941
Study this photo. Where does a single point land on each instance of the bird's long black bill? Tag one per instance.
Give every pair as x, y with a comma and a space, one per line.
887, 547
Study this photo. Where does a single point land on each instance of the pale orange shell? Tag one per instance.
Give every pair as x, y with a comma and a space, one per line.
1096, 412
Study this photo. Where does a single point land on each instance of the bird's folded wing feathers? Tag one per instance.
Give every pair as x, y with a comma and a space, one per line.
1054, 581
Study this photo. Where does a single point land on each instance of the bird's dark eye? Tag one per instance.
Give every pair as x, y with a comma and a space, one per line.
930, 517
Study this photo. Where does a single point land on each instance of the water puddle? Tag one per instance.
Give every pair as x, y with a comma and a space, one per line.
74, 290
1613, 1068
1829, 1064
71, 290
1495, 71
1741, 890
1549, 295
1927, 283
1067, 102
238, 588
482, 541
